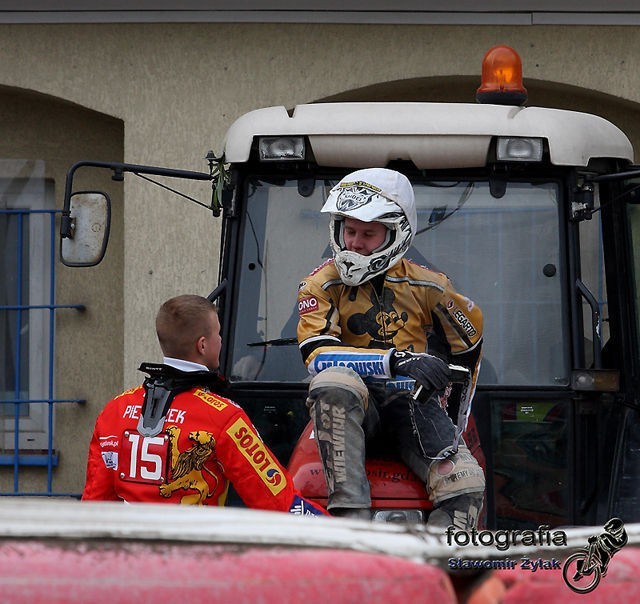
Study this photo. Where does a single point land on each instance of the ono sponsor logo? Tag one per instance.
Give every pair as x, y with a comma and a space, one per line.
306, 305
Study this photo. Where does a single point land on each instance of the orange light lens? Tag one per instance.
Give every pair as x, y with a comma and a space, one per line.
502, 78
501, 71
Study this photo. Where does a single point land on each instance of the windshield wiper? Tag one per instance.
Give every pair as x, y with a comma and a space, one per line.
276, 342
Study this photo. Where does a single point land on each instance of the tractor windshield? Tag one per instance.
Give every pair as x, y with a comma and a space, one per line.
500, 246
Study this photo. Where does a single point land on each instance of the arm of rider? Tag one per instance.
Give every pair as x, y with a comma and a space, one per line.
428, 370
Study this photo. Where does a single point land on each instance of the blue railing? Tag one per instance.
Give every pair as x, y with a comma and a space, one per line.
18, 458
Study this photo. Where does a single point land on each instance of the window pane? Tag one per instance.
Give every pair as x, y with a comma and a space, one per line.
14, 325
593, 276
503, 253
286, 236
26, 214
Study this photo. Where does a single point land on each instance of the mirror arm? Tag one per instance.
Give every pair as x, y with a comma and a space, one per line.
118, 170
615, 176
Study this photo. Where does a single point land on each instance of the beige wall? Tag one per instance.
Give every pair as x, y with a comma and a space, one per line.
176, 88
88, 363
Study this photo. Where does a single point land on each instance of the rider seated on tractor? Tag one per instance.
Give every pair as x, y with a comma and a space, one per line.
369, 316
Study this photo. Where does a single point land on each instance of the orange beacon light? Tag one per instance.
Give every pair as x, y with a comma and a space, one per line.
501, 78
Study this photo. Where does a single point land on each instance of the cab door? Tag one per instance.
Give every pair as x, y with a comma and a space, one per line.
620, 208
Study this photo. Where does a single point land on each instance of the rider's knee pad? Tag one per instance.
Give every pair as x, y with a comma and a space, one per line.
454, 476
339, 384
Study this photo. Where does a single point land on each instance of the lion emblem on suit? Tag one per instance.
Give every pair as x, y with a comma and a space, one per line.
187, 467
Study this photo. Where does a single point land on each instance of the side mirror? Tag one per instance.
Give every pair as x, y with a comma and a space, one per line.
89, 222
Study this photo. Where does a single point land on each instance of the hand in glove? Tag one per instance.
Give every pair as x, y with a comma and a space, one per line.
427, 370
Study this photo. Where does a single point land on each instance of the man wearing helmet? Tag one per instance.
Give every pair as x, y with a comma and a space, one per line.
369, 316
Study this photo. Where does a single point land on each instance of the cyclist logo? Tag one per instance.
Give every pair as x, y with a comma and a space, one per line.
583, 570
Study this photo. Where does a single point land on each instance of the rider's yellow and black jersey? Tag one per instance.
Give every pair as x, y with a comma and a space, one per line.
410, 307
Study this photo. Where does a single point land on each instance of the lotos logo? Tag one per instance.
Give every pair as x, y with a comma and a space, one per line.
306, 305
274, 476
254, 451
211, 399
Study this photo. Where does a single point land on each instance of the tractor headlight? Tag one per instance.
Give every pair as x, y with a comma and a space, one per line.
519, 148
281, 148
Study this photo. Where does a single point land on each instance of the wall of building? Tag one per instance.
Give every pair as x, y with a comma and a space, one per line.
165, 94
89, 361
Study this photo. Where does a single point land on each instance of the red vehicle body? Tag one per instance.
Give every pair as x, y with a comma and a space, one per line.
394, 487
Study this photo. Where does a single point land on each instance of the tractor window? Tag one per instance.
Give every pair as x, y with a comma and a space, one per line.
592, 274
502, 250
285, 237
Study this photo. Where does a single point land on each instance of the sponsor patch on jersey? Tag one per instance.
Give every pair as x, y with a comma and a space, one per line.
111, 441
308, 304
362, 364
211, 399
464, 322
254, 451
110, 459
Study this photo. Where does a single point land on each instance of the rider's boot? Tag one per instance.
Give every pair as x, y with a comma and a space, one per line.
456, 487
337, 401
461, 512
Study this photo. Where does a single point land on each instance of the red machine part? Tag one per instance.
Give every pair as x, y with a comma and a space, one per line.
393, 485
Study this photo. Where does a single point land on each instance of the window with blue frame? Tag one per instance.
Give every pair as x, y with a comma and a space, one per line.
27, 218
14, 235
27, 325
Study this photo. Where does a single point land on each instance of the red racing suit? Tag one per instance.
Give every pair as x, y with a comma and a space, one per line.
207, 443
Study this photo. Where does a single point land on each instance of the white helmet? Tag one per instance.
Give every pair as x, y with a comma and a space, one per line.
371, 195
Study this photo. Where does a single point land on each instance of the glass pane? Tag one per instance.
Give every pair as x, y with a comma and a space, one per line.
593, 276
503, 253
286, 236
530, 463
26, 219
14, 324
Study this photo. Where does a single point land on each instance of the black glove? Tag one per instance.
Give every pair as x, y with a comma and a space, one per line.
427, 370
